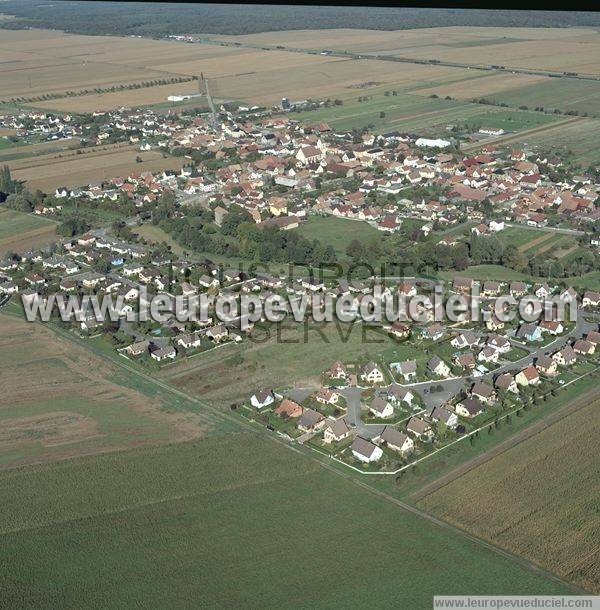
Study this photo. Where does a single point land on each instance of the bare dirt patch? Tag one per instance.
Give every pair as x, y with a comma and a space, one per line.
60, 401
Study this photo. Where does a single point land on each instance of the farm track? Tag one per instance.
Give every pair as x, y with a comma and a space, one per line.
518, 137
528, 565
536, 242
54, 158
509, 443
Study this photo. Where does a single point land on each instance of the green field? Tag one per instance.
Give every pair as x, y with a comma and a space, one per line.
228, 522
562, 93
13, 224
154, 234
581, 137
412, 112
338, 232
20, 232
487, 272
518, 236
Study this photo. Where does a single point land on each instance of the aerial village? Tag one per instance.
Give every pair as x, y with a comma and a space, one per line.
375, 415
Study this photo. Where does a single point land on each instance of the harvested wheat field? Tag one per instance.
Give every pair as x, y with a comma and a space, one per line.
108, 101
484, 86
553, 49
538, 499
47, 411
47, 172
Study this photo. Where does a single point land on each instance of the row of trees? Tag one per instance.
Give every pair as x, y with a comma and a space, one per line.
240, 236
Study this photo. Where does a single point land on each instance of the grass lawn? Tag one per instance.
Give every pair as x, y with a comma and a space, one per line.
223, 523
487, 272
156, 235
338, 232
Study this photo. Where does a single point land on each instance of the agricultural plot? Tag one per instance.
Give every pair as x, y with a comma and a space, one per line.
553, 49
20, 232
564, 94
514, 502
581, 137
289, 358
107, 101
48, 172
488, 86
427, 115
53, 415
226, 518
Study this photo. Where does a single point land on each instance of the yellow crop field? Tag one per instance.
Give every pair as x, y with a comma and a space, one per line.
538, 499
47, 172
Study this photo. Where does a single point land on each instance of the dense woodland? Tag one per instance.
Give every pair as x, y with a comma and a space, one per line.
161, 19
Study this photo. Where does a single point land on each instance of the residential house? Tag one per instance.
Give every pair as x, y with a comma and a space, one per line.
327, 396
547, 366
163, 353
397, 394
591, 299
565, 357
441, 414
484, 393
399, 330
397, 441
419, 427
469, 407
381, 408
262, 399
466, 339
584, 347
372, 373
528, 376
437, 366
408, 370
337, 371
365, 450
506, 383
336, 431
289, 409
529, 332
311, 421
